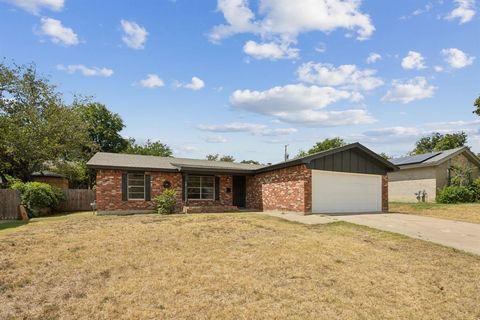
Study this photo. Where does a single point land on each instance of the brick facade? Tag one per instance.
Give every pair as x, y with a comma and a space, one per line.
288, 189
109, 192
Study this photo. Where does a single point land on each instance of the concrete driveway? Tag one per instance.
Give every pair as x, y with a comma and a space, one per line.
460, 235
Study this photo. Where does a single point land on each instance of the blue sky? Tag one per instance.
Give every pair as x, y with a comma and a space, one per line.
247, 77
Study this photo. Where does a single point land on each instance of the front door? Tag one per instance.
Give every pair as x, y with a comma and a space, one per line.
239, 191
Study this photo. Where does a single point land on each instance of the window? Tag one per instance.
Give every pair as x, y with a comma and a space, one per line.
136, 186
201, 187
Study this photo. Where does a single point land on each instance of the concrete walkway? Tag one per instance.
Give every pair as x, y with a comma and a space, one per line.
460, 235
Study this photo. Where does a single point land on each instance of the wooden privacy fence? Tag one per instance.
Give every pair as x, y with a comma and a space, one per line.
9, 202
75, 200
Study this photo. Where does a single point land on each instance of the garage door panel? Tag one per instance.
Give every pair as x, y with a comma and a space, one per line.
345, 192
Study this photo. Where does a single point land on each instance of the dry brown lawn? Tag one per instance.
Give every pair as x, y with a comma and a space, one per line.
242, 266
468, 212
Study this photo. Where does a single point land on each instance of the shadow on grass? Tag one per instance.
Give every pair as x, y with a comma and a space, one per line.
12, 224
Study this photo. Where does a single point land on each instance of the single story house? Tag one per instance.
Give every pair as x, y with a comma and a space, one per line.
346, 179
428, 172
51, 178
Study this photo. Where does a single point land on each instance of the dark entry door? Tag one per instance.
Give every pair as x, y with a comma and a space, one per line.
239, 191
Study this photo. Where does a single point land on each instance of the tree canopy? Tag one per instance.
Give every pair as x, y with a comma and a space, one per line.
249, 162
326, 144
216, 157
149, 148
103, 126
227, 158
476, 104
438, 142
35, 125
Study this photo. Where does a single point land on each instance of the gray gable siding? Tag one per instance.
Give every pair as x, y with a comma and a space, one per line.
351, 160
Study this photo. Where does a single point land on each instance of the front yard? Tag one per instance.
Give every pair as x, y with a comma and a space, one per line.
468, 212
227, 266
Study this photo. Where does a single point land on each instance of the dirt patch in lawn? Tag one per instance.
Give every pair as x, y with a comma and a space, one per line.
228, 266
468, 212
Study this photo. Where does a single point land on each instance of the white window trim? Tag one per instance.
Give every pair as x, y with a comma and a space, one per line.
200, 199
128, 188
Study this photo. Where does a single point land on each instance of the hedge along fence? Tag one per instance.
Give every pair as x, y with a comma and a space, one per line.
75, 200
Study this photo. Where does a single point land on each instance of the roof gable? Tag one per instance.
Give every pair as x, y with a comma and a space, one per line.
336, 160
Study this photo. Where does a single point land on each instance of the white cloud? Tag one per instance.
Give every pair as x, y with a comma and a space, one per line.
373, 57
216, 139
457, 58
134, 35
413, 60
152, 81
35, 6
348, 76
410, 90
300, 104
270, 50
289, 98
253, 128
286, 19
398, 134
320, 118
57, 32
438, 68
195, 84
465, 11
86, 71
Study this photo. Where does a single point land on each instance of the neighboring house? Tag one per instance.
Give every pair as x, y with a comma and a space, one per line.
346, 179
430, 172
52, 178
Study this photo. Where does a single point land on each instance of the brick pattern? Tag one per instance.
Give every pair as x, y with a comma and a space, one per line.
287, 189
385, 193
109, 191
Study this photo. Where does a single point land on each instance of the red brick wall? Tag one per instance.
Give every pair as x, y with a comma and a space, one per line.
287, 189
109, 191
385, 193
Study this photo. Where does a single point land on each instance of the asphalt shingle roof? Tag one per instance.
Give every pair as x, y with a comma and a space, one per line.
120, 160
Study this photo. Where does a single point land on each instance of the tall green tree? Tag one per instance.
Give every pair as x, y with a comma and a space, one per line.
212, 157
438, 142
476, 104
35, 125
227, 158
249, 162
323, 145
149, 148
103, 126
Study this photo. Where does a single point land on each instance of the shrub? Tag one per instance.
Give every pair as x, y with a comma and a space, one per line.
456, 194
37, 196
475, 186
166, 201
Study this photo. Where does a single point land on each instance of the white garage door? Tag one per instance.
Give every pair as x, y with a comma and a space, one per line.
345, 192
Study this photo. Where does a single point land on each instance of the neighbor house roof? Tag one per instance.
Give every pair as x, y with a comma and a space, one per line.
435, 158
103, 160
45, 173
